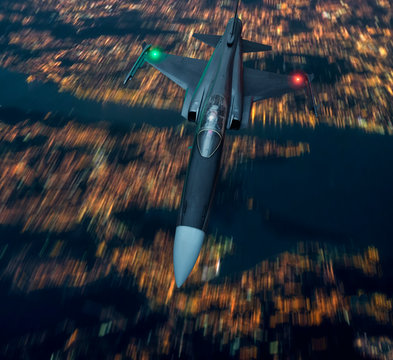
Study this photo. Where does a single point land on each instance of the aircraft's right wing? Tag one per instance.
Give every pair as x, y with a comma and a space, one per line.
184, 71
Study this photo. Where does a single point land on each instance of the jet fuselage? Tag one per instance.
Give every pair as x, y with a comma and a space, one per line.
216, 106
219, 95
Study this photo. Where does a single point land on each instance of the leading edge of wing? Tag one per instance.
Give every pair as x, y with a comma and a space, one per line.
184, 71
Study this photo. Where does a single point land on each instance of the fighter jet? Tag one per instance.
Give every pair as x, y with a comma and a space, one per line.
219, 95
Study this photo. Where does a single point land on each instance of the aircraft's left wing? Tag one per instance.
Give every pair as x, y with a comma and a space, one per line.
261, 85
185, 72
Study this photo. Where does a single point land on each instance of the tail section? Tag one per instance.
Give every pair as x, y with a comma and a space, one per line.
211, 40
247, 46
250, 46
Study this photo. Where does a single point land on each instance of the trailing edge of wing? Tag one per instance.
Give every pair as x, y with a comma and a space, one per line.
211, 40
250, 46
185, 72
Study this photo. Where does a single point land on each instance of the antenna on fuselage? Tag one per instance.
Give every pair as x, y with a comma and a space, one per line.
237, 6
234, 18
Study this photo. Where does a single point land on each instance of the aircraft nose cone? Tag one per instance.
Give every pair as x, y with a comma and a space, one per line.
188, 243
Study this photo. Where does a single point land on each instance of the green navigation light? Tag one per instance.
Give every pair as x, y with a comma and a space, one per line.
155, 54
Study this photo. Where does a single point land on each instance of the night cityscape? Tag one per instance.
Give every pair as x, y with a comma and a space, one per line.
297, 262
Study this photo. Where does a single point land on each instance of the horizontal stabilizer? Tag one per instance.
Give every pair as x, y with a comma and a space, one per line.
211, 40
250, 46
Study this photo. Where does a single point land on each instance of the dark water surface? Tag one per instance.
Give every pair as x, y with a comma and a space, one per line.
340, 193
43, 97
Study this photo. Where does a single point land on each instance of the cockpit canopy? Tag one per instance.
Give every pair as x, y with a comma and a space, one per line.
212, 126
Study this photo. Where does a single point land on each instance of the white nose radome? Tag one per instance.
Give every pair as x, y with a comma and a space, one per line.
188, 243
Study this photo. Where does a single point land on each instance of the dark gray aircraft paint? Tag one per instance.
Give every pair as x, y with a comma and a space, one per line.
219, 95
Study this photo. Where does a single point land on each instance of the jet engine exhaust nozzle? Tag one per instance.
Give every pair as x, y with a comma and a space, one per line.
188, 243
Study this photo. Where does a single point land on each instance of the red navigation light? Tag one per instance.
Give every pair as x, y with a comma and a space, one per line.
297, 79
